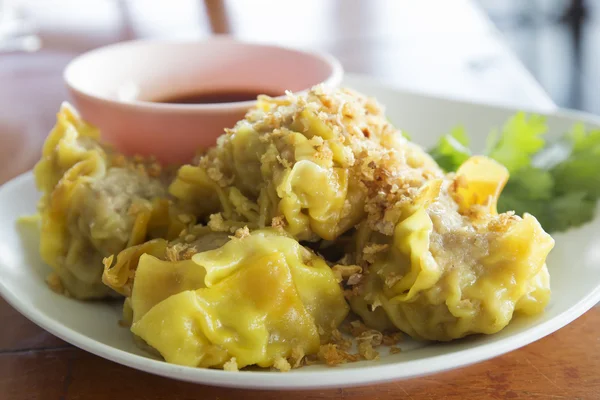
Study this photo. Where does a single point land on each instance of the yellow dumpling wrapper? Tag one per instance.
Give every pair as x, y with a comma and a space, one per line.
70, 142
313, 198
92, 207
195, 191
120, 275
159, 267
316, 283
256, 298
286, 162
447, 279
157, 280
479, 181
69, 156
255, 315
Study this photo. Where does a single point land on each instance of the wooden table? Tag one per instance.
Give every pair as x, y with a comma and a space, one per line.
433, 46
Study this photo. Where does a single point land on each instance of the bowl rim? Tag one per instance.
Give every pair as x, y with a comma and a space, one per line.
334, 79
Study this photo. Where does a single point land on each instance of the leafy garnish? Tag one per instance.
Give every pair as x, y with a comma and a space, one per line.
580, 172
560, 214
558, 182
519, 140
531, 183
452, 150
582, 140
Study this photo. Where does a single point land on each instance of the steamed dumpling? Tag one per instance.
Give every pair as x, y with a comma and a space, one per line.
95, 203
299, 163
452, 266
258, 298
426, 253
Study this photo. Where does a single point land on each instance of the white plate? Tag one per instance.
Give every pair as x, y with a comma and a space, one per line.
574, 267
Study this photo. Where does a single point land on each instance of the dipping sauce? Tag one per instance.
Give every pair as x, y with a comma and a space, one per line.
225, 96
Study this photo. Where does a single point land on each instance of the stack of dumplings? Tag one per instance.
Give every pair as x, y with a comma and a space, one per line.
311, 211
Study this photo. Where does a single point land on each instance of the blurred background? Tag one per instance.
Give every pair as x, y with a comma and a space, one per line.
526, 54
555, 39
559, 43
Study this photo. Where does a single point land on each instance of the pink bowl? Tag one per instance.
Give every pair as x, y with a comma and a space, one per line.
113, 88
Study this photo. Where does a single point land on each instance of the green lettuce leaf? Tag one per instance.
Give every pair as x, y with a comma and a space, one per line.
582, 140
560, 214
531, 183
580, 172
520, 139
452, 150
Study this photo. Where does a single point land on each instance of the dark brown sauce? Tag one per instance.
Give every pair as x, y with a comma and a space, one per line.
225, 96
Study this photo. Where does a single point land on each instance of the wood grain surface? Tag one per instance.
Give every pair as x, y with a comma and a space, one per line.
398, 40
